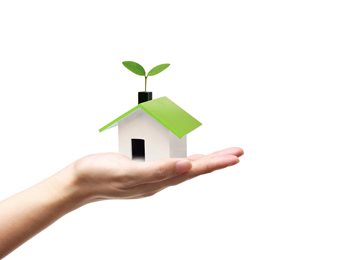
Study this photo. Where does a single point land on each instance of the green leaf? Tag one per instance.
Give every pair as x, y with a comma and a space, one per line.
134, 67
157, 69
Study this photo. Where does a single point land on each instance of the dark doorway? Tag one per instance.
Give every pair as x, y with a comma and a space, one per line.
138, 149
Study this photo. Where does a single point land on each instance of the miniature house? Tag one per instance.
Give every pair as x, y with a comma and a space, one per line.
152, 130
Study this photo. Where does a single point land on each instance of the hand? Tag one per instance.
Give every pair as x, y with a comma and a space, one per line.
114, 176
96, 177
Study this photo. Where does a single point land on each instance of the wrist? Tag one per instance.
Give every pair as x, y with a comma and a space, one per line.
68, 186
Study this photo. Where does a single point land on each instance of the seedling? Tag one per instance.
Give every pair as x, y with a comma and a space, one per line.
139, 70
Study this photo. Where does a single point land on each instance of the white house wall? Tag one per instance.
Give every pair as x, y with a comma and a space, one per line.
142, 126
178, 146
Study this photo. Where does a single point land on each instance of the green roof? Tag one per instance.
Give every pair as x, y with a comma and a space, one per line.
167, 113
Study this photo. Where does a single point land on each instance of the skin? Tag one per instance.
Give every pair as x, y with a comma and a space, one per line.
97, 177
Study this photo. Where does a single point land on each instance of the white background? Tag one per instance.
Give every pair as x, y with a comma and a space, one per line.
262, 75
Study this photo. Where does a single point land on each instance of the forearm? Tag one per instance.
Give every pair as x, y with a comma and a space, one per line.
27, 213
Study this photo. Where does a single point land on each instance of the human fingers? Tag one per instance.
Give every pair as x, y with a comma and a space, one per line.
156, 171
237, 151
200, 166
212, 163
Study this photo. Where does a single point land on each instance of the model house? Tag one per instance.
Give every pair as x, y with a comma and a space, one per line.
154, 129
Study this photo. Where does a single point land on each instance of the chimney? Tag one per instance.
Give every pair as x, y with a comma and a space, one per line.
144, 96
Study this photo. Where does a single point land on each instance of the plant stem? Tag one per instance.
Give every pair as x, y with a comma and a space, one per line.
145, 83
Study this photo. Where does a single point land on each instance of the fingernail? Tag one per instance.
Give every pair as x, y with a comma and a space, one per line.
182, 166
235, 161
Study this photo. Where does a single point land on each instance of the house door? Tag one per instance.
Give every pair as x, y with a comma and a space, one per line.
138, 149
